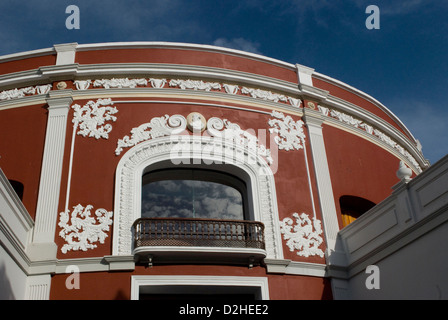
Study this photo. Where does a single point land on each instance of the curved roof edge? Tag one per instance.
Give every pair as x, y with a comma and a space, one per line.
210, 48
368, 97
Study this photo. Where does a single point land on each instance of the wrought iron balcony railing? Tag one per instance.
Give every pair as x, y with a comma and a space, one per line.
198, 233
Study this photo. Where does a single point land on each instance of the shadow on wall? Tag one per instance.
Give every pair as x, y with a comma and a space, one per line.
327, 293
6, 292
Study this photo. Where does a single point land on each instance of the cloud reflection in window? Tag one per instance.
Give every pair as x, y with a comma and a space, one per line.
191, 199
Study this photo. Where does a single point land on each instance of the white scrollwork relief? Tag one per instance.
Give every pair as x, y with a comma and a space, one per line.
92, 116
359, 124
324, 110
44, 89
290, 133
263, 94
157, 127
195, 85
231, 89
120, 83
295, 102
23, 92
153, 151
345, 118
157, 83
81, 231
82, 84
305, 236
229, 131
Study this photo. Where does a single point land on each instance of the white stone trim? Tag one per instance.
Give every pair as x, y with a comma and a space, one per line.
65, 53
261, 187
211, 281
182, 46
38, 287
304, 75
50, 182
27, 54
324, 187
366, 96
363, 120
295, 267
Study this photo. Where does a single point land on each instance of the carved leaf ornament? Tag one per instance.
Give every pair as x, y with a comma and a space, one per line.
232, 132
157, 127
290, 134
92, 117
304, 237
81, 231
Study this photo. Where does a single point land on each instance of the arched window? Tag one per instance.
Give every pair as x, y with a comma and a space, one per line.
353, 207
156, 161
193, 193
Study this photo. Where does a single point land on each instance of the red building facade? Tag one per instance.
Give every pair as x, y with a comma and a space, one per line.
153, 169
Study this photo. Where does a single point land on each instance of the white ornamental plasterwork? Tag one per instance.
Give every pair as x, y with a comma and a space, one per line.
263, 94
23, 92
188, 84
295, 102
120, 83
232, 132
157, 83
157, 127
231, 88
91, 118
359, 124
82, 84
195, 85
153, 151
305, 236
81, 231
345, 118
290, 134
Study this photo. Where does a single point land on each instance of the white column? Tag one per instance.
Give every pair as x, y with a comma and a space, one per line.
50, 179
38, 287
313, 122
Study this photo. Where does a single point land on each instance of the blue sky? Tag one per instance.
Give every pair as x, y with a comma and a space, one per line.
403, 64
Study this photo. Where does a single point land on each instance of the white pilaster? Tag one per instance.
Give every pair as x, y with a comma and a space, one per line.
313, 122
50, 180
304, 75
38, 287
66, 53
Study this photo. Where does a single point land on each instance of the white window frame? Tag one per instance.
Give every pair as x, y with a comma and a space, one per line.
168, 284
128, 185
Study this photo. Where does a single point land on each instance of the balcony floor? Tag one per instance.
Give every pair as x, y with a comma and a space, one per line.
199, 255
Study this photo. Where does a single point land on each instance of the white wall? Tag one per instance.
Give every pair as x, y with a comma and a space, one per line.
416, 271
405, 236
12, 278
15, 232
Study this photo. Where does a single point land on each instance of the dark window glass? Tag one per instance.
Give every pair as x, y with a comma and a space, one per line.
18, 188
186, 193
353, 207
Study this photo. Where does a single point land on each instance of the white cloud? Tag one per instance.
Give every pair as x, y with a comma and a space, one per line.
238, 44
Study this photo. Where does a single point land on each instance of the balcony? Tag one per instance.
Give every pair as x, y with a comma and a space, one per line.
179, 240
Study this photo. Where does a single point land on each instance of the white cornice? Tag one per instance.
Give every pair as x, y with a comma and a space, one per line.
378, 123
246, 103
206, 48
367, 97
27, 54
76, 71
183, 46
